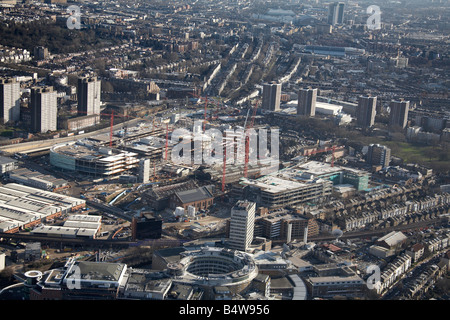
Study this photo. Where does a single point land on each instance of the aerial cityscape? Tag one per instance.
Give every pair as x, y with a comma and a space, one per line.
228, 150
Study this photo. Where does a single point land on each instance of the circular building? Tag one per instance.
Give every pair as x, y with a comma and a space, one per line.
210, 267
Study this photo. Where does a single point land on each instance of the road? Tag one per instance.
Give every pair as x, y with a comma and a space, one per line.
43, 145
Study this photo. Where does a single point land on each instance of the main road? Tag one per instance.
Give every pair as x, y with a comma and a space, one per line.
45, 145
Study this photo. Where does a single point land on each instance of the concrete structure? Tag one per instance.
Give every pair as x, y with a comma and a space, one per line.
9, 100
399, 113
286, 226
40, 53
7, 164
271, 96
315, 171
79, 280
80, 122
88, 95
147, 285
307, 102
144, 170
379, 155
87, 157
242, 225
366, 111
44, 109
207, 267
276, 192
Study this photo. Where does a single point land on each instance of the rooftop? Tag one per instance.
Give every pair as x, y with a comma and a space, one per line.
197, 194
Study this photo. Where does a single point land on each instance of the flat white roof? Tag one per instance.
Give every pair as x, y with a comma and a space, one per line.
274, 184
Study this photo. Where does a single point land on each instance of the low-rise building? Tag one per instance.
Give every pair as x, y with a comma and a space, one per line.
200, 198
416, 252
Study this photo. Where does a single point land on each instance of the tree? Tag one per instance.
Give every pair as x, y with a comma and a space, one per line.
6, 277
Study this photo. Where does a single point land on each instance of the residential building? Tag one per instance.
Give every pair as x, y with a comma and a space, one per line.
399, 113
40, 53
307, 102
379, 155
44, 109
271, 99
416, 252
88, 95
366, 111
9, 100
336, 13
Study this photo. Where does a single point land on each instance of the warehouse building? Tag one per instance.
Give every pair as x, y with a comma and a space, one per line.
37, 180
74, 226
22, 207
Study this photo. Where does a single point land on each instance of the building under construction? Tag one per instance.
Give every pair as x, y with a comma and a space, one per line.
87, 157
273, 191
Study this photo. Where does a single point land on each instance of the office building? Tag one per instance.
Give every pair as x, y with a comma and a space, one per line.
336, 13
88, 95
366, 111
331, 286
146, 226
399, 113
307, 102
242, 225
9, 100
271, 96
378, 155
44, 109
